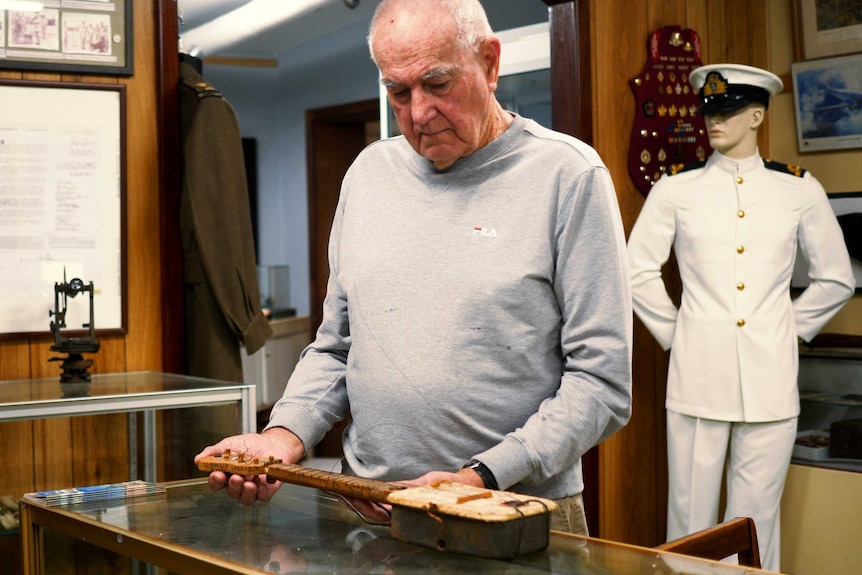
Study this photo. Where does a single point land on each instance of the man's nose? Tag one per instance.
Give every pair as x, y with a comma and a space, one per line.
422, 107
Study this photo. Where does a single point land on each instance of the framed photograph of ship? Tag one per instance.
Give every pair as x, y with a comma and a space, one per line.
77, 37
828, 101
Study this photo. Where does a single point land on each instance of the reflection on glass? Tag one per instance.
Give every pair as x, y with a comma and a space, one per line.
527, 94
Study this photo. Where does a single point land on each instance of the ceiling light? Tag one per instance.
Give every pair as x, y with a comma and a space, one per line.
24, 5
247, 20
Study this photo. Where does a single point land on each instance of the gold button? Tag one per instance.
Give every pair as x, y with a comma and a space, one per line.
741, 213
740, 322
740, 249
740, 286
739, 180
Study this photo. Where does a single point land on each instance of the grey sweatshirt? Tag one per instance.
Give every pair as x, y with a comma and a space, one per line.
481, 311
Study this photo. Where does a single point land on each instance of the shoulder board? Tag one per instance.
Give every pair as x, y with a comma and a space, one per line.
675, 169
797, 171
201, 88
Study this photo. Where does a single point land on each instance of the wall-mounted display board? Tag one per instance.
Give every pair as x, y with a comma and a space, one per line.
72, 36
62, 196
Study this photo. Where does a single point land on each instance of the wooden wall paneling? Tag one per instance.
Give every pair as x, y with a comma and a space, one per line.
170, 170
626, 482
696, 17
14, 360
18, 474
100, 452
53, 453
16, 437
53, 449
100, 443
714, 42
143, 242
651, 361
572, 94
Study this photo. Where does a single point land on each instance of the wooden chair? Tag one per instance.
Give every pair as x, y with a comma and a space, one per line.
735, 537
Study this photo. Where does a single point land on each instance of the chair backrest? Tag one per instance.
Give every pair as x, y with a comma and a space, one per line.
735, 537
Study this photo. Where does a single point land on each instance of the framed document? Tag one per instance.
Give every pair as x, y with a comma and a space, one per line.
62, 197
71, 36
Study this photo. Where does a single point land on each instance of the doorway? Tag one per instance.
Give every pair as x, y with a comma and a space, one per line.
334, 137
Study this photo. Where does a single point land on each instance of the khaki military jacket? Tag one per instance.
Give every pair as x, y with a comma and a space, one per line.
222, 298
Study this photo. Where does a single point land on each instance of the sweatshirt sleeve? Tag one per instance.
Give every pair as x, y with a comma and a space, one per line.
592, 289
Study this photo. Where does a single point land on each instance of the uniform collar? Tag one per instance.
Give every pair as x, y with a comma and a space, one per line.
734, 166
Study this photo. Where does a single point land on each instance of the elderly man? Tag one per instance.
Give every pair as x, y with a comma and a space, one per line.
734, 223
477, 322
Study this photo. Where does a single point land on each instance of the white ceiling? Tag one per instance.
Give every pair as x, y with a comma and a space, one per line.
276, 38
293, 42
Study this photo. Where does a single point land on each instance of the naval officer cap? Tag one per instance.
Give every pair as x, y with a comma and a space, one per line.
725, 88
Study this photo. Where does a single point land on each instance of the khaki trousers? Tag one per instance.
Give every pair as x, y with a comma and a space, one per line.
569, 516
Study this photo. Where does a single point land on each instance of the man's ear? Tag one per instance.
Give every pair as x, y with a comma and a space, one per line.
489, 58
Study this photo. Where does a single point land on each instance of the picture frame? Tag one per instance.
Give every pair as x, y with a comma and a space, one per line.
828, 101
63, 214
848, 209
77, 37
824, 28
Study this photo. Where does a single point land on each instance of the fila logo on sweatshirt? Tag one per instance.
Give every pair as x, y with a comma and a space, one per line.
487, 232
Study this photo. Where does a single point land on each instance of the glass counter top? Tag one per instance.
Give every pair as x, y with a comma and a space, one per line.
303, 530
113, 393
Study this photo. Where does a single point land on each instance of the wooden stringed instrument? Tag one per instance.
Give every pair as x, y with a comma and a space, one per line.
446, 516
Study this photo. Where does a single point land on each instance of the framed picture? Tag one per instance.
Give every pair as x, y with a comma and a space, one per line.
826, 28
62, 214
828, 100
79, 37
848, 209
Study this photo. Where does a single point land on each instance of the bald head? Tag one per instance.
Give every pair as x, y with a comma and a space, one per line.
465, 20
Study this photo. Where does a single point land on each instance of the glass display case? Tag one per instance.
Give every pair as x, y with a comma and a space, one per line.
830, 419
134, 392
189, 529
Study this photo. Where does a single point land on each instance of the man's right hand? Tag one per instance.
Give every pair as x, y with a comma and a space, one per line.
277, 442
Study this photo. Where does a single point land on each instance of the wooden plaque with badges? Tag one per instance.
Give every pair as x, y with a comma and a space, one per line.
666, 129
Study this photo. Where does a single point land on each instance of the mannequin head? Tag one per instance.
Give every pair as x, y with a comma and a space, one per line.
734, 133
734, 99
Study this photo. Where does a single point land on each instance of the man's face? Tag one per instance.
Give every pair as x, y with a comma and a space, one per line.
442, 95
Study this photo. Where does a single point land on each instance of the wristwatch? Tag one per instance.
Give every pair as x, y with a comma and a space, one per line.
484, 473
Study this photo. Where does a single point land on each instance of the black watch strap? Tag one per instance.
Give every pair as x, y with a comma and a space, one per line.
487, 477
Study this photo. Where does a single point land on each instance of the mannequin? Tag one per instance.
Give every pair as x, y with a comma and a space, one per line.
734, 222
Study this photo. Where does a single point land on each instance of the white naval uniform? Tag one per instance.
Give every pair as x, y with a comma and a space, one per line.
734, 226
